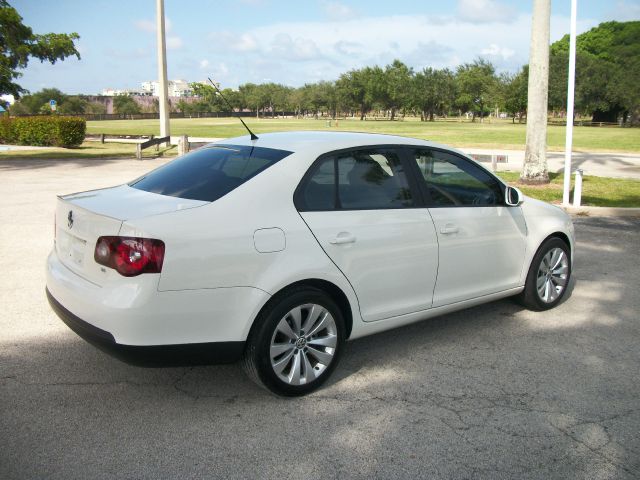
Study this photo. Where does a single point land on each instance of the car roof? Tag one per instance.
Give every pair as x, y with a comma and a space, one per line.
318, 142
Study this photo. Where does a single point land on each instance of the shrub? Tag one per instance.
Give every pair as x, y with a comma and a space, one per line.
37, 131
71, 131
44, 131
6, 130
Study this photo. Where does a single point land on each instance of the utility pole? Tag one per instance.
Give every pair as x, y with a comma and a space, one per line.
534, 169
163, 101
570, 97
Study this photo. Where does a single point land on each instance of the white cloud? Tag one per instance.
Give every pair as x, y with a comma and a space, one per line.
338, 11
294, 53
221, 70
145, 25
485, 11
428, 54
244, 42
423, 40
346, 47
204, 64
495, 50
149, 26
298, 49
174, 43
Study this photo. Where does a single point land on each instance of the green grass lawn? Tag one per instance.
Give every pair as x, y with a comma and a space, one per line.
596, 191
501, 134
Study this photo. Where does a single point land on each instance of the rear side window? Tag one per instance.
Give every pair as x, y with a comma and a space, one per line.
209, 173
356, 180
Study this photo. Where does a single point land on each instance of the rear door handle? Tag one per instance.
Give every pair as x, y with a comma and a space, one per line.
343, 237
449, 229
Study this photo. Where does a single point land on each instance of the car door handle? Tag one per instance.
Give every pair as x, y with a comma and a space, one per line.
449, 229
343, 237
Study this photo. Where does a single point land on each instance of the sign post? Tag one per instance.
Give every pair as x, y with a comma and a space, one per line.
53, 104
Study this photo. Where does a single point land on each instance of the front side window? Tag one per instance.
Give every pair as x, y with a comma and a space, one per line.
209, 173
453, 181
356, 180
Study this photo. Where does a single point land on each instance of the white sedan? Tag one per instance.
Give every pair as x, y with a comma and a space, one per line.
278, 250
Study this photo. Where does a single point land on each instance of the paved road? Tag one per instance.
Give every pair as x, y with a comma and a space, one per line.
491, 392
601, 164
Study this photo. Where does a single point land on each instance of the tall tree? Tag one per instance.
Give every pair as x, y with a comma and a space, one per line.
433, 92
73, 105
476, 86
125, 104
397, 83
534, 168
515, 94
18, 44
352, 86
38, 102
607, 71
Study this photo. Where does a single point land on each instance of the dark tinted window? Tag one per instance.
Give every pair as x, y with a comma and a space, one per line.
319, 192
209, 173
454, 181
366, 179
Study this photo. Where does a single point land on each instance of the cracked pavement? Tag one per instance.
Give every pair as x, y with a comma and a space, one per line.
490, 392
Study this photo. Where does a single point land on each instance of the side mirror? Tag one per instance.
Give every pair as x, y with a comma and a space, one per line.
513, 197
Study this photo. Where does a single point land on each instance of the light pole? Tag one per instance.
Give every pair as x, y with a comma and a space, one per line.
163, 101
570, 95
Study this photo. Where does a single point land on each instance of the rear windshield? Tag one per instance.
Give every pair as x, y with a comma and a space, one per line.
210, 172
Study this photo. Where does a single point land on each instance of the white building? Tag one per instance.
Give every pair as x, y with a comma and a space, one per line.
176, 88
113, 92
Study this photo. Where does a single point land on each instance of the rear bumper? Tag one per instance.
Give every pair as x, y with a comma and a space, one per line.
134, 312
149, 355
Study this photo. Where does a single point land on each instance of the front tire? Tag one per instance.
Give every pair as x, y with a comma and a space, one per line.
548, 277
296, 342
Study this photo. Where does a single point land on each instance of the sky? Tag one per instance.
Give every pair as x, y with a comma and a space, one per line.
288, 42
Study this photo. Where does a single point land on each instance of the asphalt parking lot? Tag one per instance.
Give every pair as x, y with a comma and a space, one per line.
490, 392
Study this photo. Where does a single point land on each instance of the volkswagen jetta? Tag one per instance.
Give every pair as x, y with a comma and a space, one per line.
278, 250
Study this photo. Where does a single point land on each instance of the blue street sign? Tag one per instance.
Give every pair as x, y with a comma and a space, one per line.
52, 103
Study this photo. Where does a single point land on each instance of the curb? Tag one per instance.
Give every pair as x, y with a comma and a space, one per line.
602, 211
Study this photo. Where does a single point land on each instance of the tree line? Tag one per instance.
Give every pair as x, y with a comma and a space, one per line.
607, 66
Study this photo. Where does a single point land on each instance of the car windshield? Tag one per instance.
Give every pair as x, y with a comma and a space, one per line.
209, 173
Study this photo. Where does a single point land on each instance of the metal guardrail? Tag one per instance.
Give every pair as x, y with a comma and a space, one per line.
105, 137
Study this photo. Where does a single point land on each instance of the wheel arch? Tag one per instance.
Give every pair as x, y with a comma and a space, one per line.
561, 236
528, 297
331, 289
537, 240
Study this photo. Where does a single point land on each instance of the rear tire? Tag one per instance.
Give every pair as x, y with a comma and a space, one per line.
548, 277
296, 342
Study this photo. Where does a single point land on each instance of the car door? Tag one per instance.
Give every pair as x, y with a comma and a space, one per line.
481, 240
368, 219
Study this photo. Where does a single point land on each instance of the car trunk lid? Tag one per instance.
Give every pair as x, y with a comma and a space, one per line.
81, 218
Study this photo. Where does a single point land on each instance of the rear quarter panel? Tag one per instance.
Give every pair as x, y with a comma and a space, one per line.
213, 246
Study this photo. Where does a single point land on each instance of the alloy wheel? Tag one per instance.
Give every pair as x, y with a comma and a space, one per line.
552, 275
303, 344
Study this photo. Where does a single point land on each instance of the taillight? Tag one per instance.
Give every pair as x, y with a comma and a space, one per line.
130, 256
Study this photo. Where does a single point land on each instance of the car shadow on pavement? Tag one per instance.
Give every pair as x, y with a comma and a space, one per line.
491, 391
